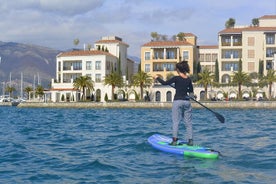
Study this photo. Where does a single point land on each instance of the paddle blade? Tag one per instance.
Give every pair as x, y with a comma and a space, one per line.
220, 117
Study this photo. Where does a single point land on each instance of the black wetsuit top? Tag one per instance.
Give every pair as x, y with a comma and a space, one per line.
182, 86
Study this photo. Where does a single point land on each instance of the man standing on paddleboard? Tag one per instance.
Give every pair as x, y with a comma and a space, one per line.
181, 108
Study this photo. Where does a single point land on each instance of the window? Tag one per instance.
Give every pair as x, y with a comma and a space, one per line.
251, 54
147, 55
270, 38
147, 67
77, 65
157, 96
227, 54
66, 66
98, 65
235, 54
170, 55
98, 78
269, 64
169, 96
59, 66
185, 55
251, 41
230, 66
201, 57
237, 41
251, 66
214, 57
88, 65
169, 66
208, 58
270, 52
226, 41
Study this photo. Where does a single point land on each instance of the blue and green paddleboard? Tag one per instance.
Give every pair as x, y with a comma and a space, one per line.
162, 143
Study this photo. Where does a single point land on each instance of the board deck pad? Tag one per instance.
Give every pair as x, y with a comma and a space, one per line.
162, 142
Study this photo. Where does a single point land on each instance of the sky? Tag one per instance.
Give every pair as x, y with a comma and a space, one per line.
56, 23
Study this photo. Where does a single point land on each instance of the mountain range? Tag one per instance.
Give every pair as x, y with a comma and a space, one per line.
32, 63
36, 64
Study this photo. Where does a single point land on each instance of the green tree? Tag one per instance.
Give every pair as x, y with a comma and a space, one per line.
39, 91
10, 90
261, 68
239, 78
114, 79
230, 23
206, 78
142, 79
76, 41
255, 22
268, 80
28, 90
181, 36
155, 36
83, 83
216, 79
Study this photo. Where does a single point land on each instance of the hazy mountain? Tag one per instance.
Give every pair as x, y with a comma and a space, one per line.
34, 62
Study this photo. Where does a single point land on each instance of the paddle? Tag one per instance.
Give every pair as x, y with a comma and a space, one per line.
219, 116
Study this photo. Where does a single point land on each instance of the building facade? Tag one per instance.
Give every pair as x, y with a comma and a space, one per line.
160, 57
253, 45
109, 55
207, 56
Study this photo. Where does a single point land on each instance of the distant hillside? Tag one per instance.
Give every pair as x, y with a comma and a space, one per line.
31, 60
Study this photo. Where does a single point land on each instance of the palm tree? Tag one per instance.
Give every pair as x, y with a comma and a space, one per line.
230, 23
83, 82
28, 90
39, 90
114, 79
76, 41
142, 79
269, 79
206, 78
240, 78
181, 36
255, 22
10, 90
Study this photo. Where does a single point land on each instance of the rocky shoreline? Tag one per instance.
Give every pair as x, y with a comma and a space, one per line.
222, 105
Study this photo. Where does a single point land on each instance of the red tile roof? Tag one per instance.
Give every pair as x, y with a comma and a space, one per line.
111, 41
251, 28
166, 43
84, 53
268, 17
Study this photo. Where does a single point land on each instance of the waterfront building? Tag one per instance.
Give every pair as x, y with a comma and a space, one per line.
207, 56
253, 45
109, 54
160, 57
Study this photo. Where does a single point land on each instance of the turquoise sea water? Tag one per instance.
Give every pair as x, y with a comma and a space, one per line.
40, 145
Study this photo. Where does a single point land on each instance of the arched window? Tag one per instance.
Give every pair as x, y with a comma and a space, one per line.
157, 96
169, 96
226, 79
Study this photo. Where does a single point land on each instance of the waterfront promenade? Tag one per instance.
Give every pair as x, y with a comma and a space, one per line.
209, 104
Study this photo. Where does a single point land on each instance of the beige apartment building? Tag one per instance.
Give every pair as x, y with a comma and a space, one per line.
251, 44
207, 56
160, 57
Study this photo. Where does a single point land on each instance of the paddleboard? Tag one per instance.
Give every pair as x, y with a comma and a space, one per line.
162, 142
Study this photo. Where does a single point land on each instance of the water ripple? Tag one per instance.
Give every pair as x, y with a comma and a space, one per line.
40, 145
